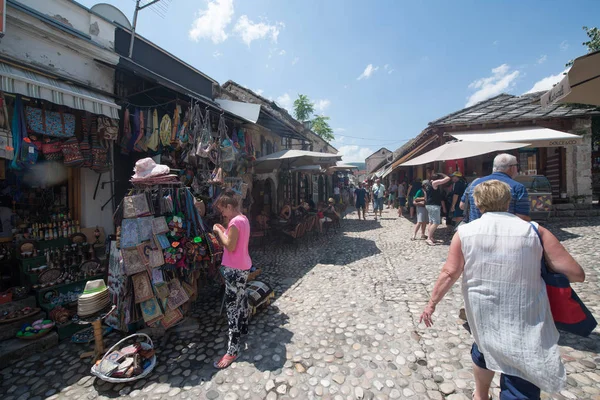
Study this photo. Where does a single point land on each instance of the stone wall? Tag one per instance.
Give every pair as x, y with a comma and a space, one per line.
579, 161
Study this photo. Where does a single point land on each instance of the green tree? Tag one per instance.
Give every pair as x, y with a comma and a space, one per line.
593, 44
321, 127
303, 108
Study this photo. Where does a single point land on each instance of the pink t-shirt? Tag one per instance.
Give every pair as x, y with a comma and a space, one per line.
239, 258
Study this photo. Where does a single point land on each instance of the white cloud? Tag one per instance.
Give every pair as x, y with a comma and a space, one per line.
339, 130
250, 31
501, 80
542, 59
496, 42
390, 71
546, 83
212, 22
282, 53
369, 70
295, 60
321, 105
217, 54
285, 101
259, 92
386, 66
354, 153
564, 45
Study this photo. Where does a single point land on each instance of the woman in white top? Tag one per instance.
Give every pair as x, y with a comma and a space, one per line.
499, 257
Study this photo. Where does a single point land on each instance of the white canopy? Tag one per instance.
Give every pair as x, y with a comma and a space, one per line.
340, 166
294, 158
31, 84
581, 85
535, 136
457, 150
246, 111
308, 168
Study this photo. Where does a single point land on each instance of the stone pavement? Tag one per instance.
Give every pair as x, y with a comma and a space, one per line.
344, 326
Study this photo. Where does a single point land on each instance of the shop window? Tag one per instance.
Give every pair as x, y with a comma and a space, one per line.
528, 162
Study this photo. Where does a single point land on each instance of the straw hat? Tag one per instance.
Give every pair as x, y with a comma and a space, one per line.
93, 299
148, 168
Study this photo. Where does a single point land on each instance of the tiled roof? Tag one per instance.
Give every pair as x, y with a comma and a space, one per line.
506, 107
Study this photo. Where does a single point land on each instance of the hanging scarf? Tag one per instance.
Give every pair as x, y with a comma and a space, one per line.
140, 142
176, 116
126, 138
19, 132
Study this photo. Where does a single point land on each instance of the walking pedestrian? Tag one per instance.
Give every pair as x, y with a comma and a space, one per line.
507, 305
392, 195
235, 268
360, 197
422, 218
336, 194
434, 204
401, 198
506, 168
459, 185
414, 187
378, 196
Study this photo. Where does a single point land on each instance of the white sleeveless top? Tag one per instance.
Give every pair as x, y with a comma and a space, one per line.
506, 302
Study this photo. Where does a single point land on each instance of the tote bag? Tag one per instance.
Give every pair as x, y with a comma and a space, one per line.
568, 311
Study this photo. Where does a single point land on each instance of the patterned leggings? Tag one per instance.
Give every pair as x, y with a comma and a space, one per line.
236, 303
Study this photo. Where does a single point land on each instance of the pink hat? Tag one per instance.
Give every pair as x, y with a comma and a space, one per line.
147, 168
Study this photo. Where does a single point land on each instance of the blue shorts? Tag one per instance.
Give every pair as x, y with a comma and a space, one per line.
379, 203
511, 387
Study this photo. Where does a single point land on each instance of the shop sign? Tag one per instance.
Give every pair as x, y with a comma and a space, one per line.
563, 142
2, 17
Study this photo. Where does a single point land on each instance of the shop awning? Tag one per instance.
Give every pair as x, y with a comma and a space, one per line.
38, 86
308, 168
535, 136
247, 111
457, 150
581, 85
339, 166
414, 151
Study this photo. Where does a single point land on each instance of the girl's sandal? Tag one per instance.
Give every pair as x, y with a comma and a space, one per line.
225, 361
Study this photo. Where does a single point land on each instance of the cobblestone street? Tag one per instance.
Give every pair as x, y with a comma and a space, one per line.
344, 325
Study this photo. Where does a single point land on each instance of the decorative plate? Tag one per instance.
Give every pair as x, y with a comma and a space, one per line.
27, 246
49, 276
90, 267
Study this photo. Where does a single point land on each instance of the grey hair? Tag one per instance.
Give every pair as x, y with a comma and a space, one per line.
503, 161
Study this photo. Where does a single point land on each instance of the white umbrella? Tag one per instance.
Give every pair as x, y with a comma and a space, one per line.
339, 166
581, 85
456, 150
294, 158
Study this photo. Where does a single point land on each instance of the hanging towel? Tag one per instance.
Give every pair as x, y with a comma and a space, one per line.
165, 130
140, 143
176, 116
154, 139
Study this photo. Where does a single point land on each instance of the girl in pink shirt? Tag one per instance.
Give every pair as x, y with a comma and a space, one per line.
235, 268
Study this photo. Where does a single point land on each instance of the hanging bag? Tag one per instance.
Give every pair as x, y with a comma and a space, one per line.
108, 128
51, 150
50, 123
72, 153
568, 311
100, 161
204, 143
85, 146
29, 152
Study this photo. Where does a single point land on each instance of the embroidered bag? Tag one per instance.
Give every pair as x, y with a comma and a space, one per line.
85, 146
51, 150
100, 161
72, 153
50, 123
108, 128
568, 311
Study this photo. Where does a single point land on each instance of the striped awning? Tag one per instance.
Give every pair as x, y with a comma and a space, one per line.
31, 84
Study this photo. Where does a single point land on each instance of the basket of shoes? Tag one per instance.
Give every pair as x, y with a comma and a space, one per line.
128, 363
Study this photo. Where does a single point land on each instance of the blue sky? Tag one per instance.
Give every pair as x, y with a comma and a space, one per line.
380, 69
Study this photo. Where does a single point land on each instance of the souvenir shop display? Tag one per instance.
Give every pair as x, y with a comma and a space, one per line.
162, 244
35, 330
93, 299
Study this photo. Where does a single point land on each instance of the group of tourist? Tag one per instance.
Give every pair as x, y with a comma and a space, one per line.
498, 253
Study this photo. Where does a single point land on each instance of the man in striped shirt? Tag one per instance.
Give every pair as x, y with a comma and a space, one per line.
506, 168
